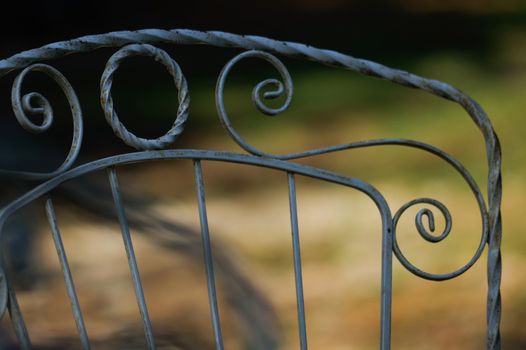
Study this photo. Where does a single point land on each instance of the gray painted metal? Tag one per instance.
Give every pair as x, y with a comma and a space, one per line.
70, 286
132, 261
207, 253
298, 276
140, 43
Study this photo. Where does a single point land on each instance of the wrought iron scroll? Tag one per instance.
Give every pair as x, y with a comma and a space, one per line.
260, 47
257, 93
35, 103
287, 89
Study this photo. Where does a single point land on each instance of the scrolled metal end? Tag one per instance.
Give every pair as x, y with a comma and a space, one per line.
34, 104
433, 238
257, 92
280, 88
431, 221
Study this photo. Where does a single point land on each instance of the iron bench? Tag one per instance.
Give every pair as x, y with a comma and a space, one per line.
140, 43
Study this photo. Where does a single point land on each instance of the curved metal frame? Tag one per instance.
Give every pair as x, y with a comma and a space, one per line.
139, 43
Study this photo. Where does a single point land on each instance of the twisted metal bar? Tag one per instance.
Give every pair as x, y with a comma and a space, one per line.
331, 58
34, 103
106, 99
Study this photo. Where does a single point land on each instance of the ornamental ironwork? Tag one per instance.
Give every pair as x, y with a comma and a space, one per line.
140, 43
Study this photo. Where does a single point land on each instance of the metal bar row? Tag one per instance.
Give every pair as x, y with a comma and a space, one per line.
209, 266
14, 308
17, 319
20, 328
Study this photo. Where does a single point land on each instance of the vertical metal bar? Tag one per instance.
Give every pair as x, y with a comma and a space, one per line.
132, 261
17, 320
297, 261
386, 285
15, 315
207, 252
75, 306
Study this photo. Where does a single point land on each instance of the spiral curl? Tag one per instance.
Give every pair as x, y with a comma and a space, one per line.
434, 238
258, 94
33, 104
106, 99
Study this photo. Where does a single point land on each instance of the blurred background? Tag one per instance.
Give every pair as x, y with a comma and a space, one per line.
478, 46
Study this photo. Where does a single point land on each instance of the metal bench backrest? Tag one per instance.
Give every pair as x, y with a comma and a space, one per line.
133, 43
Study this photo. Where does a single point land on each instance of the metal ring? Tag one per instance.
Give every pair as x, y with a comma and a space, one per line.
107, 101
